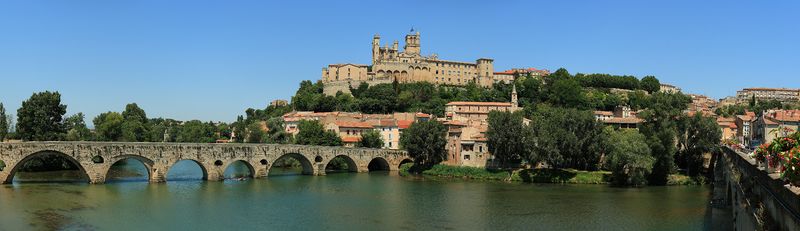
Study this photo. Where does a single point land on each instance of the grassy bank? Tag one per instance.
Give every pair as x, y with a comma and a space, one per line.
558, 176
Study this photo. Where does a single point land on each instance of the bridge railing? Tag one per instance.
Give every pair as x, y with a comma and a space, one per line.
781, 199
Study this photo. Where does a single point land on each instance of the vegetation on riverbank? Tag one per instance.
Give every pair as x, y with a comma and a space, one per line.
555, 176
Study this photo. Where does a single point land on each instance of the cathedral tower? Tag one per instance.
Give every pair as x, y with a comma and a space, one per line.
412, 43
376, 48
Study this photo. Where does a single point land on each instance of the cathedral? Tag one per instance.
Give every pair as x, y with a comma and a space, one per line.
389, 63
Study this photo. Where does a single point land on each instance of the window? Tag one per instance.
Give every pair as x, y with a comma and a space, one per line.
466, 157
480, 149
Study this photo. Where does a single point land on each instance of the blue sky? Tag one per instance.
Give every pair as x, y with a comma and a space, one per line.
211, 60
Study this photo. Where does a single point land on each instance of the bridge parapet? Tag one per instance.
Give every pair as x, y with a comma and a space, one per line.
759, 201
95, 158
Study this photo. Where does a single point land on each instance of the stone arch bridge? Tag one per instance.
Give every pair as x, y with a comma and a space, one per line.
96, 158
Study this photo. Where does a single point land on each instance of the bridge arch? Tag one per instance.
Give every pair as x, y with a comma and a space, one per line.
378, 164
148, 164
250, 169
305, 162
203, 168
404, 161
351, 164
16, 166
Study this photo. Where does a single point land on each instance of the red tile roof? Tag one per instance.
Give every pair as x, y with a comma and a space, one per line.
403, 124
463, 103
351, 124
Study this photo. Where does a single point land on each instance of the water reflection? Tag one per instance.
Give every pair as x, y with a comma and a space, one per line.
353, 201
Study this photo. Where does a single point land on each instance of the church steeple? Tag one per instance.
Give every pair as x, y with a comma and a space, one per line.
514, 100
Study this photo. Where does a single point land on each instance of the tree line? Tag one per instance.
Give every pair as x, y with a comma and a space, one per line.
42, 118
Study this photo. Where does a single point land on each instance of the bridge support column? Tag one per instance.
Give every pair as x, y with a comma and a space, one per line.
214, 175
157, 174
319, 169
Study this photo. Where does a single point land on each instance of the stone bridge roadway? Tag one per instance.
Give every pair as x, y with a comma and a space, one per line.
95, 158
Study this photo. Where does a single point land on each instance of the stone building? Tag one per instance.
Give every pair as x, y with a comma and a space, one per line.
351, 125
784, 95
667, 88
389, 63
467, 125
745, 124
621, 117
775, 123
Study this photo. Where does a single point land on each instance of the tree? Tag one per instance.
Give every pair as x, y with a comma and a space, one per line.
134, 127
40, 117
3, 123
276, 133
650, 84
698, 135
254, 133
371, 139
660, 128
134, 113
508, 137
629, 158
108, 126
567, 93
565, 137
195, 131
425, 142
312, 133
76, 128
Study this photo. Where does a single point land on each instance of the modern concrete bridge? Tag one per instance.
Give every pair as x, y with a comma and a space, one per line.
95, 158
748, 198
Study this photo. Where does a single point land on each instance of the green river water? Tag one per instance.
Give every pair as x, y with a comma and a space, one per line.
343, 201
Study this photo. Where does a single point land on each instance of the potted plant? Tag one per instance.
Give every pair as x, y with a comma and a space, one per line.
791, 166
760, 154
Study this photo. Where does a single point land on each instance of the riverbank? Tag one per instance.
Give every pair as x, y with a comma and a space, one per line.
553, 176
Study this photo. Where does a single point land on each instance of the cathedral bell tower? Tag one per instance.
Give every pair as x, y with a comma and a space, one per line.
376, 47
412, 43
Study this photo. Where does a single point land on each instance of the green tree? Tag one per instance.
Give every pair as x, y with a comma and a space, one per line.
660, 128
508, 137
276, 133
3, 123
195, 131
162, 130
568, 93
313, 133
40, 117
650, 84
108, 126
76, 128
134, 113
425, 142
565, 137
698, 135
254, 133
371, 139
629, 158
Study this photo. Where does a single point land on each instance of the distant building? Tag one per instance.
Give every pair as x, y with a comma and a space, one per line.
775, 123
728, 127
702, 103
467, 125
279, 103
351, 125
621, 117
745, 124
727, 101
666, 88
509, 76
784, 95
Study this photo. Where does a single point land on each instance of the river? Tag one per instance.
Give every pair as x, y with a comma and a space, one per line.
344, 201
